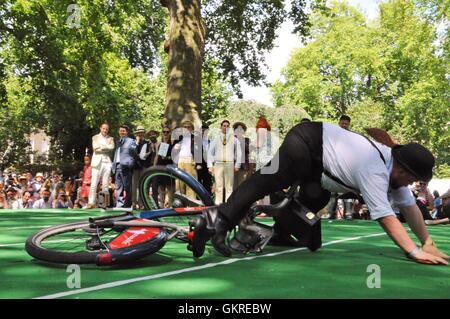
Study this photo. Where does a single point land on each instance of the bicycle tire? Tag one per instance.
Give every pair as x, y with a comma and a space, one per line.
101, 257
174, 172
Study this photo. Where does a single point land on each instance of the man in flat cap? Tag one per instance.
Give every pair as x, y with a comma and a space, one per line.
325, 158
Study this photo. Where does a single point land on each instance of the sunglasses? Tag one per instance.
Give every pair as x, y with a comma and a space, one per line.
166, 132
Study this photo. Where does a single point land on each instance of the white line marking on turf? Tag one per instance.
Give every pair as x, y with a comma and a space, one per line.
42, 217
47, 242
191, 269
23, 227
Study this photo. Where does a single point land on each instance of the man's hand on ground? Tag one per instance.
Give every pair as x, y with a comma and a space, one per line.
430, 247
423, 257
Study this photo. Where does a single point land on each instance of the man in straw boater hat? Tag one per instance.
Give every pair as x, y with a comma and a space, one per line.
184, 150
325, 158
143, 162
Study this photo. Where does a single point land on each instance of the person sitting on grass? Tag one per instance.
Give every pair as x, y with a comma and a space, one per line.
444, 214
325, 158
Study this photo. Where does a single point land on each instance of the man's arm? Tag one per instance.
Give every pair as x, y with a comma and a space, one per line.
99, 148
415, 221
398, 234
414, 218
237, 154
110, 146
133, 148
211, 153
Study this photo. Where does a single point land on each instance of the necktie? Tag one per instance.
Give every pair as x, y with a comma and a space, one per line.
225, 139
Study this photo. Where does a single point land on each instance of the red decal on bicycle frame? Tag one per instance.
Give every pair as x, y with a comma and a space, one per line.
190, 209
133, 236
104, 259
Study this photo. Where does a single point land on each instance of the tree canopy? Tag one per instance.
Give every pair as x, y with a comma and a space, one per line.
66, 67
391, 73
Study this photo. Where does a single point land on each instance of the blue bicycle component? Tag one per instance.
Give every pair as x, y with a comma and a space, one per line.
166, 176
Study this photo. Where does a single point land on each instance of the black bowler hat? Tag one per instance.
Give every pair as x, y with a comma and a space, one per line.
416, 159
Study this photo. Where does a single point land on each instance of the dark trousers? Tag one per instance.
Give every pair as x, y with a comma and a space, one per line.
123, 180
205, 178
299, 159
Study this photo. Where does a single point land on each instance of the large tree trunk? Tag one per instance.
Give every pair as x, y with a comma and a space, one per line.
185, 47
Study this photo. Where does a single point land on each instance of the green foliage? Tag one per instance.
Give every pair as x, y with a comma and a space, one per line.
216, 93
76, 77
442, 171
215, 96
240, 32
14, 147
392, 73
366, 114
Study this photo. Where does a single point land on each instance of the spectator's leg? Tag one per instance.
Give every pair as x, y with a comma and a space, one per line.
182, 186
127, 180
228, 179
94, 183
135, 187
193, 172
119, 188
106, 173
218, 174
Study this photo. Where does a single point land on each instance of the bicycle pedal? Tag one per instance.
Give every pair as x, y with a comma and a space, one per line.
93, 244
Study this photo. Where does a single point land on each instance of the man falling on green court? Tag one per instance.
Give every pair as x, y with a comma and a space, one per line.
325, 158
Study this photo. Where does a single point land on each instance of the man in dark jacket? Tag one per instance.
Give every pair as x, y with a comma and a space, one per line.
123, 165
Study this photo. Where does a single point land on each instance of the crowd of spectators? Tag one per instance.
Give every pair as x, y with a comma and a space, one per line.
226, 160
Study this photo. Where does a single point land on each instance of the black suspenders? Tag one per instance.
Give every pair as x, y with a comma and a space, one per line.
338, 180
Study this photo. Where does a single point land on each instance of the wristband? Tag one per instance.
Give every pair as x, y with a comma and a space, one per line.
413, 253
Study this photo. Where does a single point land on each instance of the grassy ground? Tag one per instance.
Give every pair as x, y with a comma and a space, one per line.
338, 270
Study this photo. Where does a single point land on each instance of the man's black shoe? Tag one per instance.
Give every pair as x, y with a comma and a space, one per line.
201, 236
218, 242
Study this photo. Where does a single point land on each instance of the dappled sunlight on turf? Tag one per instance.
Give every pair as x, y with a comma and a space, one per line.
338, 270
178, 288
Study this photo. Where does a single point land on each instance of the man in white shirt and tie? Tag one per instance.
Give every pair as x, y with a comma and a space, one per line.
224, 160
103, 146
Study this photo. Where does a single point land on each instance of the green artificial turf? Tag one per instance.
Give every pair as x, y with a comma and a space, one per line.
337, 270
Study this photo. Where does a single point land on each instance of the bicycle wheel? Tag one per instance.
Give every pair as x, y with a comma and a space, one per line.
170, 187
79, 243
